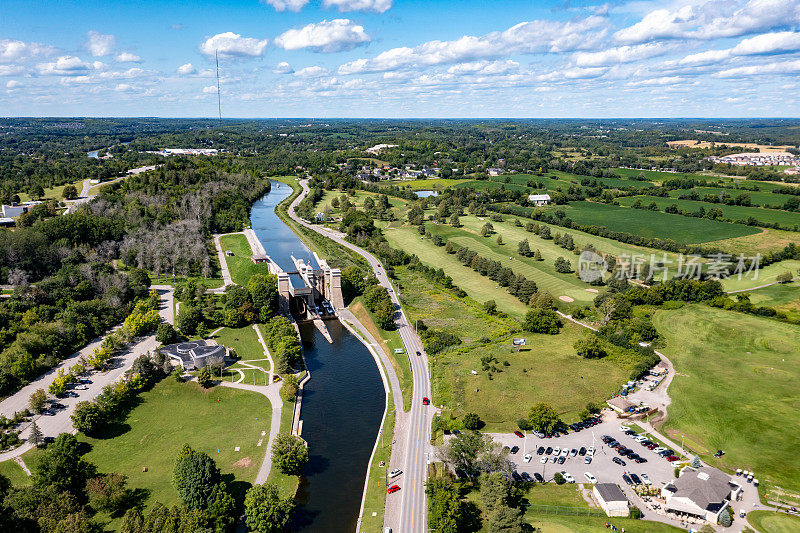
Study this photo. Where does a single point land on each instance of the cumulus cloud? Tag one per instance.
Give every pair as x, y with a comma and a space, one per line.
100, 45
12, 51
187, 69
620, 54
764, 44
131, 73
378, 6
282, 68
484, 67
127, 57
711, 20
210, 89
312, 72
123, 88
64, 66
287, 5
231, 44
327, 36
524, 38
13, 84
10, 70
778, 67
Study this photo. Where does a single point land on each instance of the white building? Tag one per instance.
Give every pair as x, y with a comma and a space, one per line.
10, 211
700, 492
611, 499
539, 199
495, 171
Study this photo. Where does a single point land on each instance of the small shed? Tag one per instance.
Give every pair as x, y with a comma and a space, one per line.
611, 499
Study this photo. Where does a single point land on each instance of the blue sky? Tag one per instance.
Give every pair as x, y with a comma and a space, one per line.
401, 58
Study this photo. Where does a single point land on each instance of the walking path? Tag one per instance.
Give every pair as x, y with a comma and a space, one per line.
223, 262
760, 286
266, 352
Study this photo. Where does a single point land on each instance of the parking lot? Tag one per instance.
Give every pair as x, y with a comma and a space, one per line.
602, 467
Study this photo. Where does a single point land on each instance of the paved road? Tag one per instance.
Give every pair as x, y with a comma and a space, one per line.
413, 503
60, 422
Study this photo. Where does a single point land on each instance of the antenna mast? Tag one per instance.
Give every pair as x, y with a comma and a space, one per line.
219, 96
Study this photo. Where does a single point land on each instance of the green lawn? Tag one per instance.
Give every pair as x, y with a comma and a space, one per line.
214, 421
735, 389
433, 184
287, 485
375, 500
240, 264
767, 274
768, 521
244, 341
783, 297
55, 193
11, 470
758, 198
785, 219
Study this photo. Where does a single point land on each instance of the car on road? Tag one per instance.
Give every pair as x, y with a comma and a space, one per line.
568, 477
618, 461
425, 400
538, 477
590, 477
81, 387
540, 450
396, 472
635, 479
646, 479
393, 489
587, 460
627, 479
519, 434
527, 458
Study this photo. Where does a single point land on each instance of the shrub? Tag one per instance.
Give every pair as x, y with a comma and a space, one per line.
725, 518
559, 479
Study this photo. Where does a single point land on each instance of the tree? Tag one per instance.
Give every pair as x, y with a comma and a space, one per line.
290, 388
523, 248
454, 221
696, 462
538, 320
445, 509
70, 192
562, 266
543, 418
188, 319
36, 435
590, 347
37, 400
537, 256
132, 521
165, 334
463, 451
490, 306
108, 492
88, 417
289, 454
265, 510
505, 519
62, 467
194, 477
784, 277
497, 491
544, 232
472, 421
264, 293
559, 479
725, 518
222, 507
37, 191
500, 240
204, 378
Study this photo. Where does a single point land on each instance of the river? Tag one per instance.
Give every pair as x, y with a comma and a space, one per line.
343, 403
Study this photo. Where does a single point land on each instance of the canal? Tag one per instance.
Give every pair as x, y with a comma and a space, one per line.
343, 403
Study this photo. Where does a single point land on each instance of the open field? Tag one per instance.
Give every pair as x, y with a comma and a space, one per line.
432, 184
240, 264
15, 474
244, 341
757, 198
766, 240
606, 182
735, 389
654, 224
54, 193
694, 143
398, 205
783, 297
767, 274
785, 219
773, 522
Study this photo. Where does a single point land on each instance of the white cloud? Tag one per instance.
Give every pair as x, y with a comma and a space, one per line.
64, 66
708, 57
484, 67
620, 54
131, 73
524, 38
123, 88
186, 69
732, 100
378, 6
127, 57
312, 72
712, 19
287, 5
768, 43
778, 67
12, 51
283, 68
327, 36
13, 84
100, 45
661, 81
231, 44
210, 89
10, 70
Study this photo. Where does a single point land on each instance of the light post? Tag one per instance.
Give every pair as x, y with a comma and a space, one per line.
683, 450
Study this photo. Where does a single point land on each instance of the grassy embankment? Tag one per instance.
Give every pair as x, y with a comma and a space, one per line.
15, 474
735, 389
240, 264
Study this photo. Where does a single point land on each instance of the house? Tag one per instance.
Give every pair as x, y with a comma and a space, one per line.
700, 492
195, 354
539, 199
611, 499
495, 171
10, 211
621, 404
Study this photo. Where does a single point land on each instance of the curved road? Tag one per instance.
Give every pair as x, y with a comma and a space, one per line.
412, 515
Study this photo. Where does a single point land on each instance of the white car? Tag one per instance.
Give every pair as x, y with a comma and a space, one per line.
590, 477
556, 450
590, 451
396, 472
555, 458
564, 452
645, 479
624, 428
587, 460
81, 387
568, 477
527, 458
543, 460
659, 449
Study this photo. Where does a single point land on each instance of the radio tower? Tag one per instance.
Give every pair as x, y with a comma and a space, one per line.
219, 96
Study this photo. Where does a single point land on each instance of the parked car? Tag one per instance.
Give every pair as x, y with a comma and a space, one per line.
526, 476
564, 452
618, 461
418, 353
85, 381
672, 458
582, 451
646, 479
627, 479
573, 452
587, 460
527, 458
519, 434
538, 477
514, 449
590, 477
515, 475
568, 477
548, 451
561, 460
557, 450
640, 459
543, 460
81, 387
396, 472
590, 451
540, 450
635, 479
393, 489
554, 459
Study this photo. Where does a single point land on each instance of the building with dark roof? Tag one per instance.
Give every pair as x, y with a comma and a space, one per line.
700, 492
611, 499
195, 354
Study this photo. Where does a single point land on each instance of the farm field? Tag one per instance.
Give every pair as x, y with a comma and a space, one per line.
240, 264
735, 389
758, 198
766, 240
172, 414
744, 145
655, 224
786, 219
607, 182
